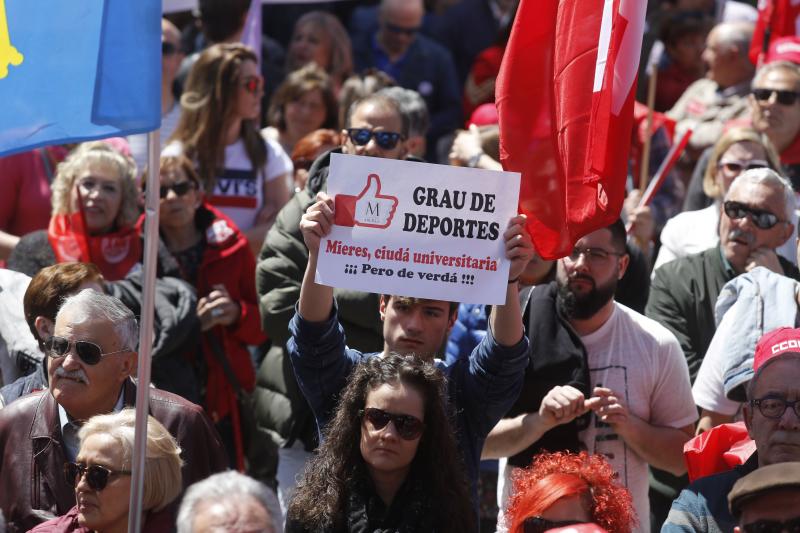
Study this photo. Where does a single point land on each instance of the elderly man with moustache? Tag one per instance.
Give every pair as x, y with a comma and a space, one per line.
91, 358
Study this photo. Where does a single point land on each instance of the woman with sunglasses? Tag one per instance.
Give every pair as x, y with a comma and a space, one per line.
214, 257
95, 206
561, 489
101, 475
389, 461
244, 173
739, 149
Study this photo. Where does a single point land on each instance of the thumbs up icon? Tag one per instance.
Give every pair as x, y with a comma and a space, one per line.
369, 209
8, 54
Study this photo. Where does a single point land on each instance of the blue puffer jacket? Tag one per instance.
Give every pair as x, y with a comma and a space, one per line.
468, 331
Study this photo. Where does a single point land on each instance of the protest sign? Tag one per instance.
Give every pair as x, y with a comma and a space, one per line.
418, 229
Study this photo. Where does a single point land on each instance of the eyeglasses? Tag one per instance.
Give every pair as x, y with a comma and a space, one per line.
96, 476
394, 28
775, 406
537, 524
783, 97
253, 84
89, 352
180, 188
168, 48
386, 140
592, 255
734, 166
762, 219
773, 526
407, 426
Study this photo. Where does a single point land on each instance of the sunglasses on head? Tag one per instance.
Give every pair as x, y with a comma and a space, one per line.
783, 97
89, 352
394, 28
253, 84
773, 526
735, 166
180, 188
386, 140
168, 49
96, 476
407, 426
762, 219
537, 524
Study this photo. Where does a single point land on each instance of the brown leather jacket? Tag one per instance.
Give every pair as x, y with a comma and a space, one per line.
32, 487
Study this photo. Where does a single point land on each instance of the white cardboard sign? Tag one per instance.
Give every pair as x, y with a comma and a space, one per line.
418, 229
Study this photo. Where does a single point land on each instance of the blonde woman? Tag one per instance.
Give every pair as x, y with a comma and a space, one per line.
101, 475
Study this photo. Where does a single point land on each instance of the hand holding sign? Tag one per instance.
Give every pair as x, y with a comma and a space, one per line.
369, 209
316, 222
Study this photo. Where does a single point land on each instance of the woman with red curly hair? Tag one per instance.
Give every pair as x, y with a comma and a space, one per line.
561, 489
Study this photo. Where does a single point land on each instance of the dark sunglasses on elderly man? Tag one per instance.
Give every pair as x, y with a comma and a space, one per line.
783, 97
180, 188
89, 352
407, 426
386, 140
762, 219
96, 476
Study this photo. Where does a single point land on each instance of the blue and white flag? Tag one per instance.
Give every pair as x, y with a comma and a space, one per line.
75, 70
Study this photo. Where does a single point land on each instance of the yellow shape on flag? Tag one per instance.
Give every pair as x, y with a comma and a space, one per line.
8, 54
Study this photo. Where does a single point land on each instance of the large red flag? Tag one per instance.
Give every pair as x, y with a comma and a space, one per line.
565, 100
776, 18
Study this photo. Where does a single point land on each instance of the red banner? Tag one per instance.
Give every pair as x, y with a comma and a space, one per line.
565, 101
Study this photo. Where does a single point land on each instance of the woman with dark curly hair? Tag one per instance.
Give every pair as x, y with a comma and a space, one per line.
560, 489
389, 461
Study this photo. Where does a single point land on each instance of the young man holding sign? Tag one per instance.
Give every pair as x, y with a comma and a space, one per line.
482, 388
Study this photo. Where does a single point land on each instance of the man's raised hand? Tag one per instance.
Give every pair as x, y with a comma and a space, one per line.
316, 222
519, 246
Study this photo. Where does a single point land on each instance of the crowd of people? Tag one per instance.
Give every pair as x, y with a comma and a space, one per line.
281, 404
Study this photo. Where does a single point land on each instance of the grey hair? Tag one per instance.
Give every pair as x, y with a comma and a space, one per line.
413, 106
738, 34
750, 390
775, 66
90, 304
767, 176
224, 487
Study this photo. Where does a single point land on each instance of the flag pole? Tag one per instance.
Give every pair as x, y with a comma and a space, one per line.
145, 331
644, 171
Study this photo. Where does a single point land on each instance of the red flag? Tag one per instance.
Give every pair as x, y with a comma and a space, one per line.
565, 100
776, 18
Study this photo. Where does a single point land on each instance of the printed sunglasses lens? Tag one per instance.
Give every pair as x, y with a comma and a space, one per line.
360, 136
97, 477
89, 352
386, 139
734, 210
764, 220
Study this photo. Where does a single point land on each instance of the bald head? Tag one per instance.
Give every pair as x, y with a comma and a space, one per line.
726, 53
400, 21
735, 35
413, 7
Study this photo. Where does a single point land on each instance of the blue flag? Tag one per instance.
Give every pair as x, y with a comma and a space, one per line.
75, 70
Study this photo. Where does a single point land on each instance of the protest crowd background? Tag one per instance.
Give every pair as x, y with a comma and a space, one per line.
646, 380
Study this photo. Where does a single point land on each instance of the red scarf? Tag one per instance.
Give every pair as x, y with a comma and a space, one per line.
115, 253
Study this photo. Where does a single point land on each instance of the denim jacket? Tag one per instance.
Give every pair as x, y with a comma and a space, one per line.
481, 388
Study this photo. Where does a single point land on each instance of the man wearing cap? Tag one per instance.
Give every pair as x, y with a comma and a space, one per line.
772, 417
767, 500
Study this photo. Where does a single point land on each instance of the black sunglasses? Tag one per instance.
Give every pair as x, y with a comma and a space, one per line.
773, 526
407, 426
180, 188
384, 139
89, 352
168, 49
736, 167
762, 219
537, 524
96, 476
394, 28
783, 97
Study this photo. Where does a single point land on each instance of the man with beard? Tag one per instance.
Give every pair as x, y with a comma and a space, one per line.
600, 376
755, 220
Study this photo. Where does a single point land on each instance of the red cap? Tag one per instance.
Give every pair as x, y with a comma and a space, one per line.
484, 115
776, 342
784, 49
